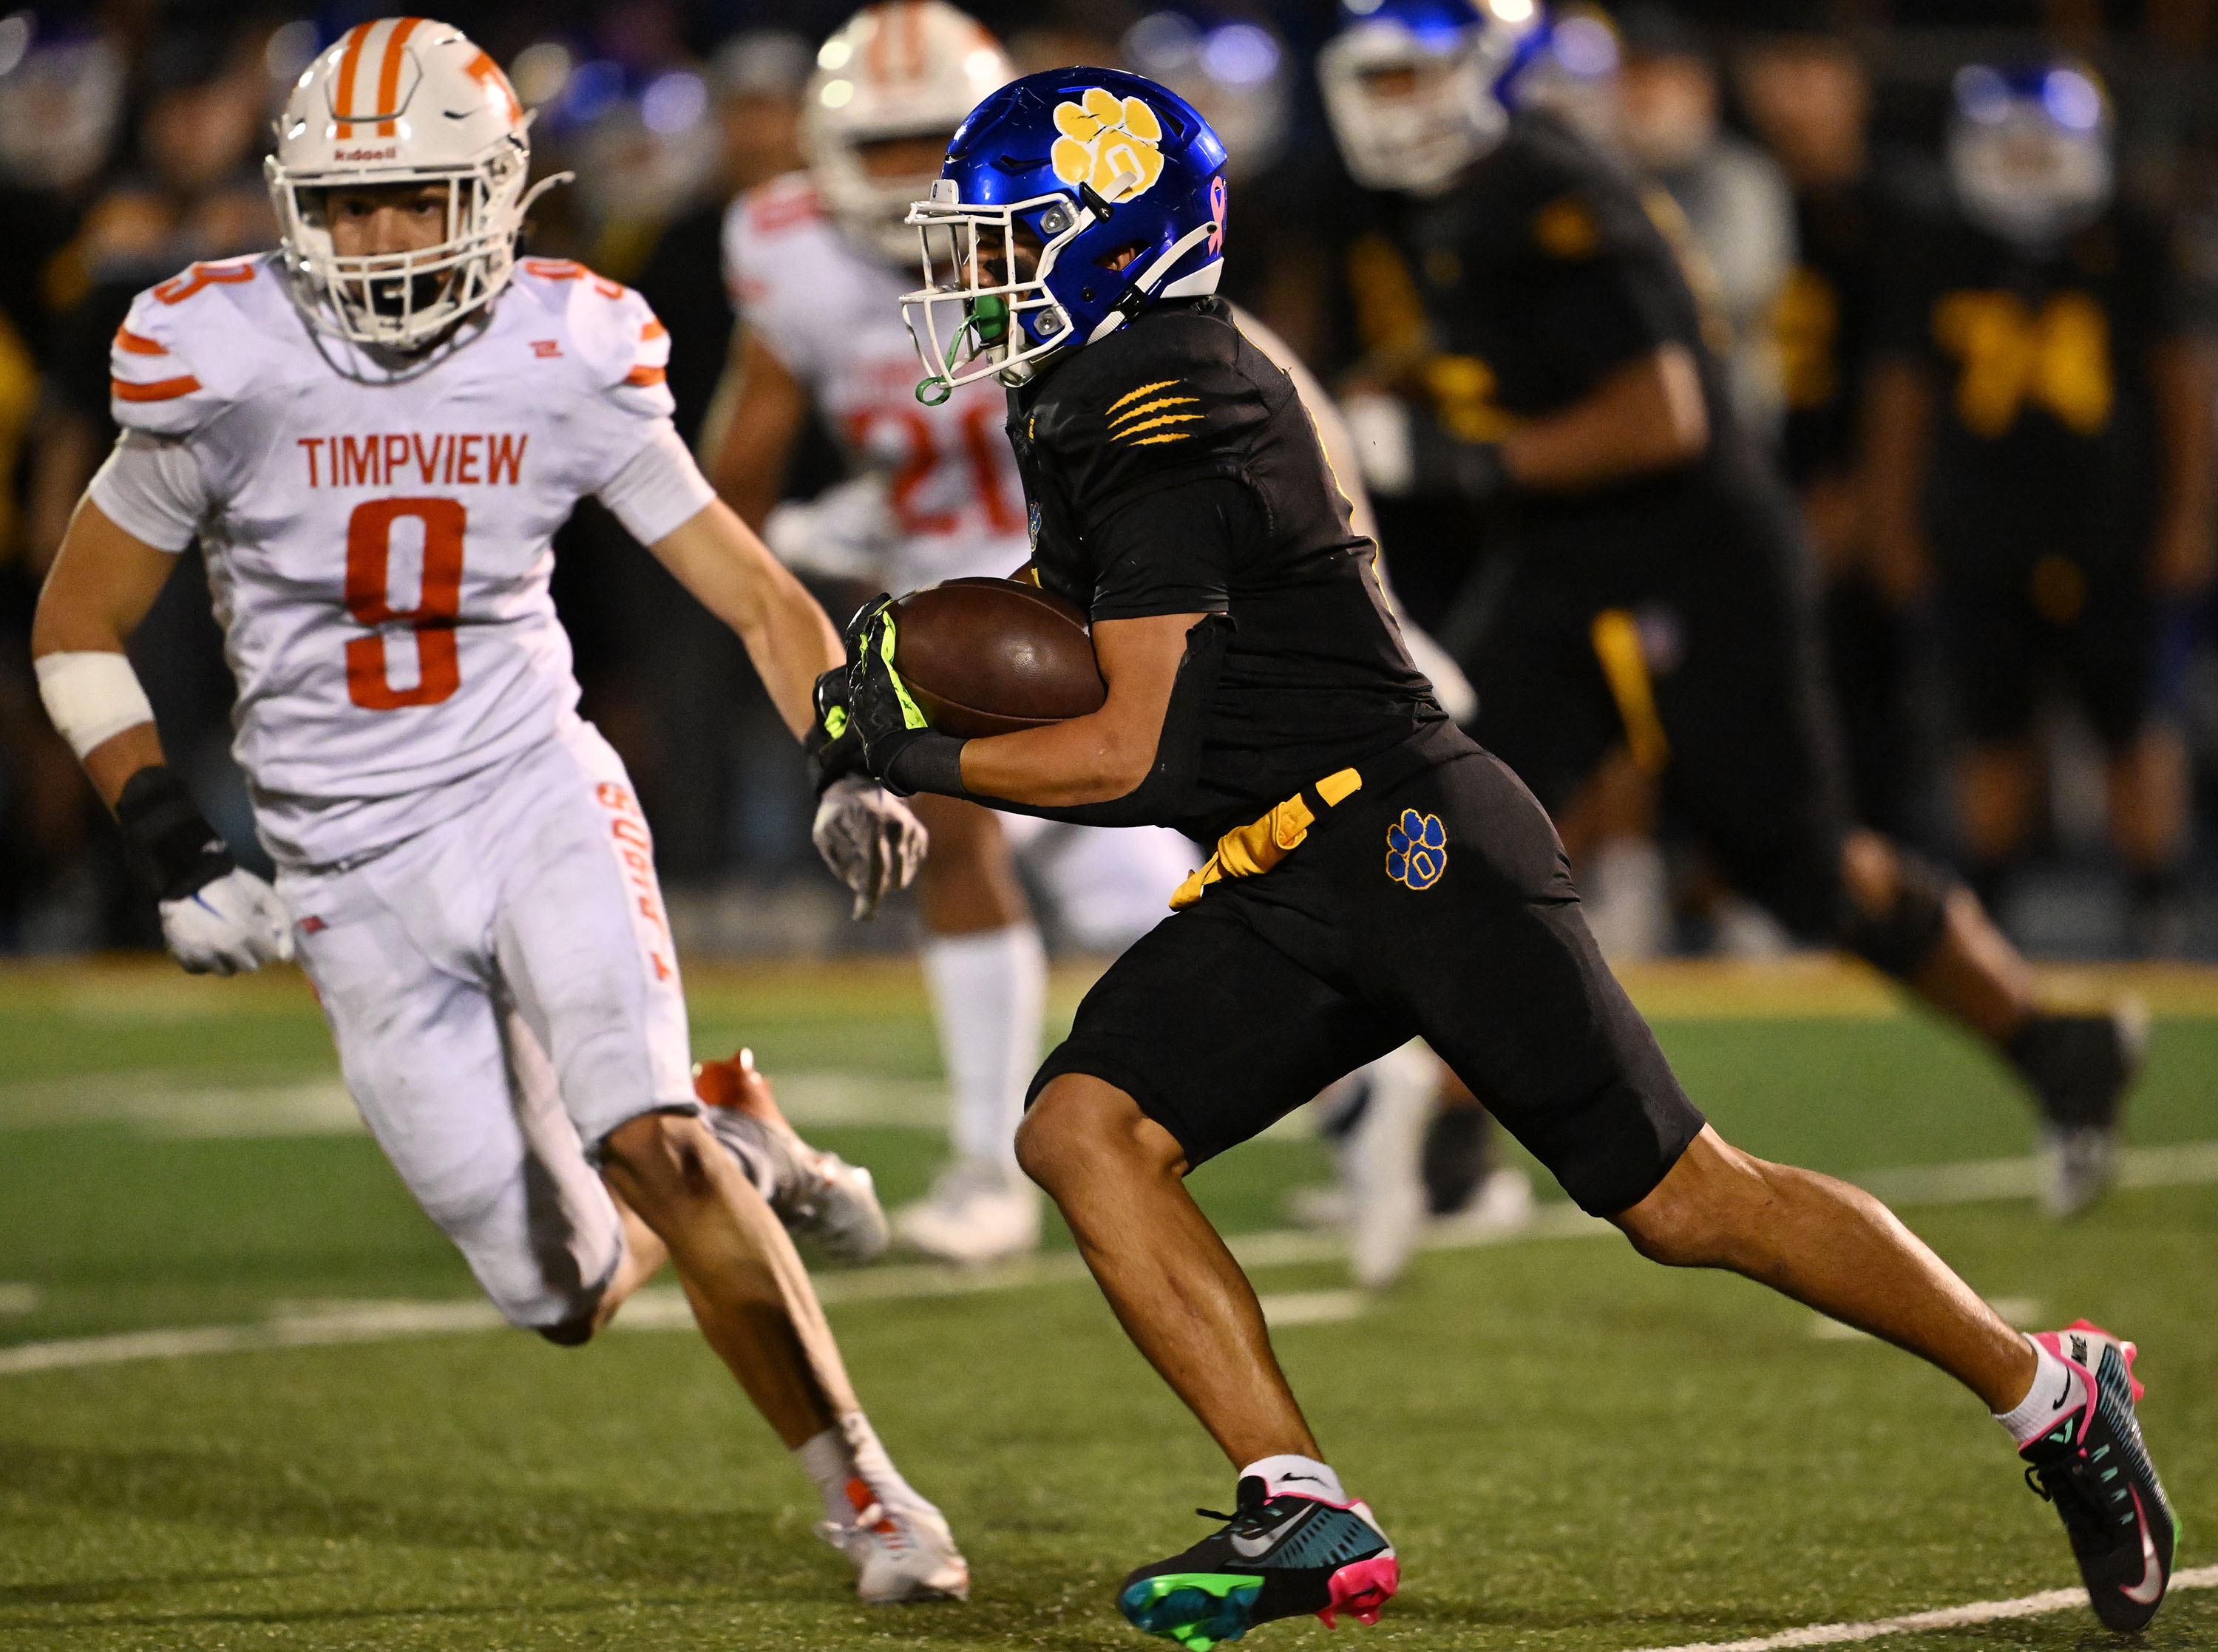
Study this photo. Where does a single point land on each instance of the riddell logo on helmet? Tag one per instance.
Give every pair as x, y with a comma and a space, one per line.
389, 152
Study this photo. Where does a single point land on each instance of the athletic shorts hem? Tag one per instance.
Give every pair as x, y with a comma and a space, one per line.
596, 1149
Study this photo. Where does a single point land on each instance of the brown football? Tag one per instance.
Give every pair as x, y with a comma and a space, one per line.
993, 656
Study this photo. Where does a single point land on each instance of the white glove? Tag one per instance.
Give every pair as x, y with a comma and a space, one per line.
869, 838
232, 923
846, 532
1379, 428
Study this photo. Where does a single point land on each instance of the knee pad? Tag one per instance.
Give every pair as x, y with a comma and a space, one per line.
1899, 940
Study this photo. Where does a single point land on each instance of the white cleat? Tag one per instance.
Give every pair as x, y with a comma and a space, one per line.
817, 1195
1502, 1203
2078, 1165
900, 1547
1385, 1165
976, 1212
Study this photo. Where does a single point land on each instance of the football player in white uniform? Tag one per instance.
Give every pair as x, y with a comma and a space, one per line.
374, 432
817, 261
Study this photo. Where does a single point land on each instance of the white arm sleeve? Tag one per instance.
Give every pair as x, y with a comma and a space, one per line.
152, 489
659, 489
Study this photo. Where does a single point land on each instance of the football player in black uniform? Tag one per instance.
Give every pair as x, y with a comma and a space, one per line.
1654, 590
1808, 96
2044, 425
1376, 875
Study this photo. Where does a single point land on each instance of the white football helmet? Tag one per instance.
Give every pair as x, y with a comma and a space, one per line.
1456, 55
904, 69
2029, 149
402, 100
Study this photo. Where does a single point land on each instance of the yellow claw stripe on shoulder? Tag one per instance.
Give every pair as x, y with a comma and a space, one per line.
1150, 407
1131, 433
1173, 435
1134, 395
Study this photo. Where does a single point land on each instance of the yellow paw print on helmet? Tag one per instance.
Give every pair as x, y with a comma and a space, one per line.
1109, 143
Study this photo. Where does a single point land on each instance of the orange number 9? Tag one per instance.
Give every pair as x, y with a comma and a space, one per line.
369, 552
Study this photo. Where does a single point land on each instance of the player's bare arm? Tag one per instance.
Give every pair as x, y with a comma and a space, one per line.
216, 917
1898, 424
752, 422
715, 556
1107, 755
1644, 418
2183, 374
102, 583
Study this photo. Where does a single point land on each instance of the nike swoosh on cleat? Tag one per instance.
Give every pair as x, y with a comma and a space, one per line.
1249, 1548
2150, 1589
2066, 1394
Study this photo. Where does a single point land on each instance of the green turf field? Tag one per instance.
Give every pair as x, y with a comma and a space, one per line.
1573, 1450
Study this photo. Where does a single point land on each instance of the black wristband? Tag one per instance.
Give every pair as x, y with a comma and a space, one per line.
833, 747
172, 845
928, 762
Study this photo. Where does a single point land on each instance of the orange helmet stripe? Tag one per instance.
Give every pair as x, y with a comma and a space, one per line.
343, 106
388, 73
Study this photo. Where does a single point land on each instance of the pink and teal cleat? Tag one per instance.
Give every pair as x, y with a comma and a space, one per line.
1277, 1557
2092, 1464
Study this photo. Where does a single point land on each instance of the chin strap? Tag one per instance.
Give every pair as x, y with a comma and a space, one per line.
532, 195
1142, 292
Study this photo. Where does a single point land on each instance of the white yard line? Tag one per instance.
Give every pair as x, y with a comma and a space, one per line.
315, 1325
1979, 1611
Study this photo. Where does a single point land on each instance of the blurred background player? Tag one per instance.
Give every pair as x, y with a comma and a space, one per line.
1809, 98
817, 262
1739, 219
509, 1022
2042, 459
1653, 594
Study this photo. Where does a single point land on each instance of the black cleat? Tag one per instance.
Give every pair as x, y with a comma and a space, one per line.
1278, 1558
2094, 1467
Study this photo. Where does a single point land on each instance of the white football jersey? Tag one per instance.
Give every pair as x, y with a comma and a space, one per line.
380, 551
832, 314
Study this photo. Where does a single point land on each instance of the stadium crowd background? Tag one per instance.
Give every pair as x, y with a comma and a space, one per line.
131, 140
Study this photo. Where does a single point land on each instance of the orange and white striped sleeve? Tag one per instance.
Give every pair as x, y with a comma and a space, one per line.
154, 383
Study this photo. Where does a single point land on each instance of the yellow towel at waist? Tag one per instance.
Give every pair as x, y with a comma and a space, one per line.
1262, 844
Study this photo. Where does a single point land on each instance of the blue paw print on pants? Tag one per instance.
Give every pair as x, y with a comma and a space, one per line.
1417, 849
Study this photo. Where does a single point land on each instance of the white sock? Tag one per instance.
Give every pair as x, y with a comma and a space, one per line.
988, 992
846, 1454
1304, 1475
2057, 1389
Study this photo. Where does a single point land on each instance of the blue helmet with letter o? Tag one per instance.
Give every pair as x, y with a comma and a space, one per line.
1071, 201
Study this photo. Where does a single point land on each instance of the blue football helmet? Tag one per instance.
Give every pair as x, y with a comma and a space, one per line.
2029, 149
1071, 201
1418, 89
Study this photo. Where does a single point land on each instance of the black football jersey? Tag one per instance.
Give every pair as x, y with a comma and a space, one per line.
2044, 430
1546, 268
1173, 468
1828, 317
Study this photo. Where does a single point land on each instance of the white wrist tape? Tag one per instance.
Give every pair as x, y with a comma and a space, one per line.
91, 697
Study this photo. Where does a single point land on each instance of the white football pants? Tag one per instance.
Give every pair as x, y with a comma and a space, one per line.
504, 993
